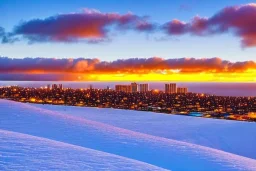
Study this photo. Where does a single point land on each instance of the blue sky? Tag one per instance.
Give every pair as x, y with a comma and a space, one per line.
128, 44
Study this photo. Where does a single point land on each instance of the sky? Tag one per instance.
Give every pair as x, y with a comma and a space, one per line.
120, 30
128, 44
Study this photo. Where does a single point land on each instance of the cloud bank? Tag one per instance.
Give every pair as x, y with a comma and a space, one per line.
130, 66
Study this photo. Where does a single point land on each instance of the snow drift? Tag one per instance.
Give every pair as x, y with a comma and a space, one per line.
84, 139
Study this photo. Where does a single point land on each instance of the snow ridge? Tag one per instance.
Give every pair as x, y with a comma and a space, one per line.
21, 151
223, 159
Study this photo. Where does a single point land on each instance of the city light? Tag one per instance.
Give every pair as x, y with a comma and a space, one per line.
173, 100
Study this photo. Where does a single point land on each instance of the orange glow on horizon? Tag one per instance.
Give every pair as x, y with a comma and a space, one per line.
246, 76
181, 77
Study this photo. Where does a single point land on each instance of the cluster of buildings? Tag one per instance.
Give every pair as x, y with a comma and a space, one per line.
173, 100
55, 86
172, 88
134, 87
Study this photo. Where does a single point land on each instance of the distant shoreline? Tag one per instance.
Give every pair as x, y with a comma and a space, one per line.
232, 89
155, 112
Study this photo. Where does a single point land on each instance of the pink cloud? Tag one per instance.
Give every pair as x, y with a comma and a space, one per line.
239, 20
131, 65
87, 25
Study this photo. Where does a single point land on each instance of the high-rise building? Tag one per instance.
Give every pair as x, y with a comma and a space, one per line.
182, 90
90, 86
144, 87
61, 86
173, 88
134, 87
128, 88
167, 88
170, 88
123, 88
54, 86
118, 87
48, 86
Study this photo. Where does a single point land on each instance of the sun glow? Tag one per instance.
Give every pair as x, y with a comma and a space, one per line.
153, 75
249, 76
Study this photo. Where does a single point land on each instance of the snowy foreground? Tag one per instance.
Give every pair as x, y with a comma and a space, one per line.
46, 137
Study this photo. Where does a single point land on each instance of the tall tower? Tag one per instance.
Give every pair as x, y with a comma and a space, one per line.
167, 88
134, 87
61, 86
171, 88
144, 87
48, 86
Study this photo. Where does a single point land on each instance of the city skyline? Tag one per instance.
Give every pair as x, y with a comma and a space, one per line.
133, 96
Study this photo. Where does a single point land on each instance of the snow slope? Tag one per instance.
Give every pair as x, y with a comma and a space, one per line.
230, 136
26, 152
84, 139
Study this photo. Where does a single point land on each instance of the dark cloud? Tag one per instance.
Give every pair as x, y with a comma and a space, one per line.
239, 20
175, 27
132, 65
89, 25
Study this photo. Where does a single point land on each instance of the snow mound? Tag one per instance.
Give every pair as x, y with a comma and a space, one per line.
25, 152
133, 144
230, 136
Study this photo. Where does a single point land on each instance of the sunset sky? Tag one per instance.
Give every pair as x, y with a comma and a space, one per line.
140, 40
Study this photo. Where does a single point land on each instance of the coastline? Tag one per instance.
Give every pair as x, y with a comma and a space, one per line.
154, 112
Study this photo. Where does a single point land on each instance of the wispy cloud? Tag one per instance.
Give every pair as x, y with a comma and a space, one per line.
6, 37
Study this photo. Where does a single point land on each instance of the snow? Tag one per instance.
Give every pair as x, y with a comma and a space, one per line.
26, 152
230, 136
50, 137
